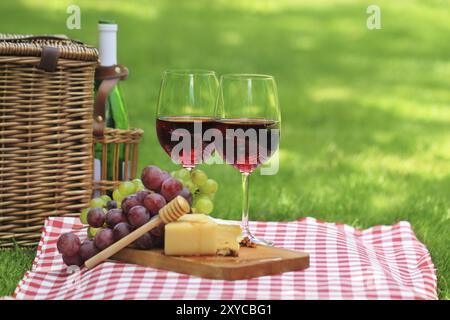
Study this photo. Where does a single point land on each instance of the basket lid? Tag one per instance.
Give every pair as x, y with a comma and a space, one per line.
31, 45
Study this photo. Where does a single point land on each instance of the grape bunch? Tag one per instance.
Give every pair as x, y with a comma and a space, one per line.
200, 186
132, 205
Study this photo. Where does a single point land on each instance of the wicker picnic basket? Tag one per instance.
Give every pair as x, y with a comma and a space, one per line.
46, 134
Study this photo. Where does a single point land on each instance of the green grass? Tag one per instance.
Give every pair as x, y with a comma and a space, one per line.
366, 114
13, 264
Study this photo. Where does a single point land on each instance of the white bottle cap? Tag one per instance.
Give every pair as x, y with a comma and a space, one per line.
107, 43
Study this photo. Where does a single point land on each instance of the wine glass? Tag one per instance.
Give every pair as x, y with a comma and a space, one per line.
248, 117
184, 112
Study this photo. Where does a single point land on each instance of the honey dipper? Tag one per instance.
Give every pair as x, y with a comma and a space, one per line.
169, 213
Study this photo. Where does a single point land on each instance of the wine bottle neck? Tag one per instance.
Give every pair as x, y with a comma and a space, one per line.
107, 43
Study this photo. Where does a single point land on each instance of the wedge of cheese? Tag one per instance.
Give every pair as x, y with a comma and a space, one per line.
198, 234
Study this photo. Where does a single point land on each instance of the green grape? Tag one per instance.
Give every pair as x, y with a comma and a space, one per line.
118, 197
204, 205
91, 232
83, 216
192, 187
210, 187
96, 202
174, 174
105, 199
184, 174
199, 177
209, 195
138, 185
199, 196
177, 177
126, 188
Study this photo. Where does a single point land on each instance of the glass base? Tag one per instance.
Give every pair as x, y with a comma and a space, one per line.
259, 241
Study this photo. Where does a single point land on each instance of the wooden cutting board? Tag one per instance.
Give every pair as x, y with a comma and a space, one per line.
252, 262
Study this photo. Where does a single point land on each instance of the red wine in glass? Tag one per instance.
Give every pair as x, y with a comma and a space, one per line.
250, 143
168, 137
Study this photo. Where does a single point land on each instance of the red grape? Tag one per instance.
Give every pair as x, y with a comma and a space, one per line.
96, 217
74, 260
145, 241
158, 231
158, 242
140, 195
129, 202
111, 204
138, 216
114, 216
165, 176
104, 238
68, 244
158, 236
171, 188
121, 230
152, 177
88, 249
185, 193
154, 202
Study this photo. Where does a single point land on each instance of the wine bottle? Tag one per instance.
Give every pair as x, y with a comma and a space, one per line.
115, 111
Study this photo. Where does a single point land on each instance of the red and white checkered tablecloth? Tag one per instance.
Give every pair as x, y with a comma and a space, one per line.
383, 262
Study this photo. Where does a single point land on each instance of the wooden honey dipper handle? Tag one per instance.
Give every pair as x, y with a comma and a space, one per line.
170, 212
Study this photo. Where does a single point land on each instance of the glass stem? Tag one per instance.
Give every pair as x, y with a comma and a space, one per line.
245, 204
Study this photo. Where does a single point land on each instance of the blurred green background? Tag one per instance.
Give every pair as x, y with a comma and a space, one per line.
366, 113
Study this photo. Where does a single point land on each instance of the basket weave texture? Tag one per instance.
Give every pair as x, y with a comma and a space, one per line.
45, 134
